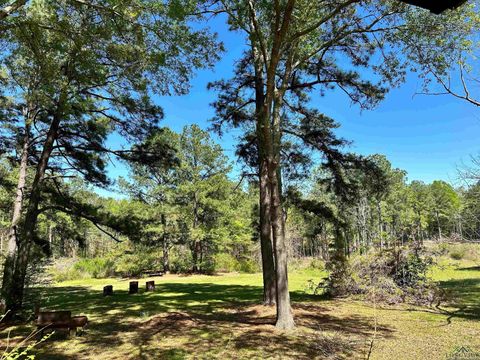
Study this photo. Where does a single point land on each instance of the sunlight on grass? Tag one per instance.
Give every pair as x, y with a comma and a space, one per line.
219, 317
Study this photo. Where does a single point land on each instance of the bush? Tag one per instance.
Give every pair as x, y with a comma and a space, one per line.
136, 263
457, 253
225, 262
248, 266
387, 276
96, 268
181, 261
62, 270
317, 264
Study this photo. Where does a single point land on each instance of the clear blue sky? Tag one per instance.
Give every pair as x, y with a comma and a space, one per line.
428, 136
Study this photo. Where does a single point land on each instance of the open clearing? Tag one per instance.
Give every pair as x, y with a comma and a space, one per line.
205, 317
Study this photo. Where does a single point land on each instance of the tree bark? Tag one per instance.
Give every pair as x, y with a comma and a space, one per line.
268, 264
15, 290
12, 246
269, 140
284, 311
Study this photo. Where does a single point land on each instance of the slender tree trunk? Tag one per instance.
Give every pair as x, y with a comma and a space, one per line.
14, 292
12, 247
380, 223
165, 250
268, 264
284, 311
196, 245
166, 258
438, 224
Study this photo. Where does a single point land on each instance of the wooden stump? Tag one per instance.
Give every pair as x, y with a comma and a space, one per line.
150, 285
36, 309
133, 287
108, 290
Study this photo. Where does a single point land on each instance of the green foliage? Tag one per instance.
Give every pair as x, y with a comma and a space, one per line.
23, 350
74, 269
95, 267
181, 261
458, 253
135, 263
391, 276
225, 262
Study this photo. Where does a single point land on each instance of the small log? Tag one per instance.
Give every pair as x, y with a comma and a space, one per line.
108, 290
150, 285
133, 289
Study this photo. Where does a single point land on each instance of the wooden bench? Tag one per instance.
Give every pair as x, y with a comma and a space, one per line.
47, 320
153, 273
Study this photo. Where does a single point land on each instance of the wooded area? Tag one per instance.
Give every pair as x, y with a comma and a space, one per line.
81, 89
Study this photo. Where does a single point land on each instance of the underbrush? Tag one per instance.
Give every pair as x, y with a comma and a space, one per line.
134, 262
455, 251
73, 269
224, 262
389, 276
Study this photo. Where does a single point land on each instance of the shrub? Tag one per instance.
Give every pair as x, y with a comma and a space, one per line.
181, 261
387, 276
95, 267
317, 264
137, 262
225, 262
457, 253
63, 270
249, 266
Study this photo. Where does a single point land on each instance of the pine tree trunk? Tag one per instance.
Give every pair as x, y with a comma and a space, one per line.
268, 264
284, 311
438, 224
14, 290
12, 247
165, 254
166, 258
380, 223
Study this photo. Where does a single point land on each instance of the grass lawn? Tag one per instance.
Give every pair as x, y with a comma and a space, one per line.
219, 317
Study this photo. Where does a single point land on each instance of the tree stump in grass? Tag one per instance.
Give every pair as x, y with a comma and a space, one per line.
108, 290
133, 289
150, 285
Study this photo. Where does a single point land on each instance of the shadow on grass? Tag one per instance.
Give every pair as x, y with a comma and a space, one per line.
465, 294
212, 320
470, 268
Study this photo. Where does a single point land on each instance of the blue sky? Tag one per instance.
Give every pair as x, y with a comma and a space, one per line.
428, 136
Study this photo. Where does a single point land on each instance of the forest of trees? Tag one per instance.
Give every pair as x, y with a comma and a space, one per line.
73, 73
192, 214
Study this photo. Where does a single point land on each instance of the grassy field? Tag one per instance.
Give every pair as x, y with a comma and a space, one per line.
218, 317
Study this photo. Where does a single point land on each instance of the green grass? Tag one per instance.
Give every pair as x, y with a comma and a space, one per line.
219, 317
